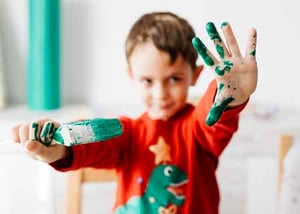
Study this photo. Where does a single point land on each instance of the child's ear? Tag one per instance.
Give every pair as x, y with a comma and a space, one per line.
196, 73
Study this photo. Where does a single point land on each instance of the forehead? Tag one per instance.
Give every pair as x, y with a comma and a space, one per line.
146, 58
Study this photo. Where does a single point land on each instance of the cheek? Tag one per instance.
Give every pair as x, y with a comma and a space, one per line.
180, 92
145, 95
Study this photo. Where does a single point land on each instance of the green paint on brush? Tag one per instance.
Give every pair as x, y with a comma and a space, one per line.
216, 111
33, 133
227, 67
202, 51
87, 131
212, 32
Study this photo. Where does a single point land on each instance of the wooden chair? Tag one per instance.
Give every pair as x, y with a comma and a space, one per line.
285, 143
75, 181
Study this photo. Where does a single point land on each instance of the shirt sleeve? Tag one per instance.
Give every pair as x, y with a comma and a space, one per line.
105, 154
216, 137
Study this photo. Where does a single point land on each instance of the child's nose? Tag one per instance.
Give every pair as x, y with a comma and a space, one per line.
160, 91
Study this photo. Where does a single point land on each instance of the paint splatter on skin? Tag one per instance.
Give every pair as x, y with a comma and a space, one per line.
215, 36
252, 53
224, 24
202, 51
220, 50
227, 65
212, 32
216, 111
220, 88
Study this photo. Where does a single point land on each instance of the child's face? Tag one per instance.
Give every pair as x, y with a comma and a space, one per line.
163, 86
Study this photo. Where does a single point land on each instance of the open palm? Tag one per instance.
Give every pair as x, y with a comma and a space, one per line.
236, 75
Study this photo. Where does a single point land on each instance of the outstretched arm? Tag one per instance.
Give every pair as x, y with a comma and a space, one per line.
236, 75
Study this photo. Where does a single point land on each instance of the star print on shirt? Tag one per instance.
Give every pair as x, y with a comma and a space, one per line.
161, 151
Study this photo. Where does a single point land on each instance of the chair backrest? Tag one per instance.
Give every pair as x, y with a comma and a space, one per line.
284, 145
75, 181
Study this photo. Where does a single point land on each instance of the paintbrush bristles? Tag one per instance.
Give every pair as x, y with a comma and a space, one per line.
87, 131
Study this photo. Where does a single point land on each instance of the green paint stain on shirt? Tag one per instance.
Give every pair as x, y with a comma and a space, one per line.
227, 65
212, 32
216, 111
202, 51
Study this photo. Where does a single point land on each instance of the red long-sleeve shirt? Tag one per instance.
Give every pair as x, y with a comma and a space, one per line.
188, 143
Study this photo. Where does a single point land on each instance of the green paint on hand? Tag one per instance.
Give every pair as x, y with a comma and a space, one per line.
224, 24
34, 128
253, 52
227, 65
216, 111
202, 51
220, 50
212, 32
220, 87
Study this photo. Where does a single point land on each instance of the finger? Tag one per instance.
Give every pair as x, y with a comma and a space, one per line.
216, 111
23, 133
201, 49
251, 48
47, 133
48, 154
34, 147
34, 130
230, 39
15, 133
216, 38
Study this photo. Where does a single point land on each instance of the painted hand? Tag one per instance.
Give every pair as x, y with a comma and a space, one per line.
35, 137
236, 75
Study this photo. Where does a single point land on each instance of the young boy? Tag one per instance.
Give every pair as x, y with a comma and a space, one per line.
166, 159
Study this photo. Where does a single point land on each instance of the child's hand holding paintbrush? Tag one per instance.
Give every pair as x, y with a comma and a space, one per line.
46, 140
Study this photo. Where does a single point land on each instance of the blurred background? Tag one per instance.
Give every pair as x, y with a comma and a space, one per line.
93, 74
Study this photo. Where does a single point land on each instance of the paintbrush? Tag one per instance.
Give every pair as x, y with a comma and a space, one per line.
74, 133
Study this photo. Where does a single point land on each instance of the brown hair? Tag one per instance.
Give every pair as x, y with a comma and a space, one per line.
168, 32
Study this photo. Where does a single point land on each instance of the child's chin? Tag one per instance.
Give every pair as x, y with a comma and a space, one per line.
156, 116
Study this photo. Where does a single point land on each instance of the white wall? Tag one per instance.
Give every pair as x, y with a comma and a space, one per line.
93, 34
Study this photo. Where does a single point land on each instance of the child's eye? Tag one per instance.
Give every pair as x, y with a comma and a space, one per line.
175, 79
146, 81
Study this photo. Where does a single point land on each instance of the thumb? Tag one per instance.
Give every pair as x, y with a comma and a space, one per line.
47, 154
216, 111
37, 150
